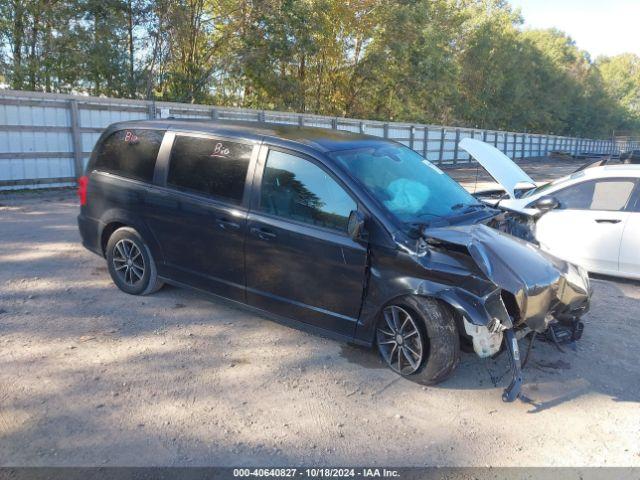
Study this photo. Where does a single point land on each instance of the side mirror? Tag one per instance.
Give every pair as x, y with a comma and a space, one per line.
546, 203
355, 227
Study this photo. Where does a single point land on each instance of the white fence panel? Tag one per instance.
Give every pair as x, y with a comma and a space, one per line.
38, 134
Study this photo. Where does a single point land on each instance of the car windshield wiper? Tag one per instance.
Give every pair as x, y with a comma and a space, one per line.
469, 206
436, 221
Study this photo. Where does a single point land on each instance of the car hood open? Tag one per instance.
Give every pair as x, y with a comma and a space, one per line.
542, 286
500, 167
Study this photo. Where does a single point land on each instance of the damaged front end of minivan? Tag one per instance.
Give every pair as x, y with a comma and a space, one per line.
524, 290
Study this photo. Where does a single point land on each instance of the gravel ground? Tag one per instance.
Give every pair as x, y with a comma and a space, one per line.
92, 376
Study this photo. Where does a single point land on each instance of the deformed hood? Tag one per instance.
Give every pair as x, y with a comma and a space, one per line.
500, 167
543, 286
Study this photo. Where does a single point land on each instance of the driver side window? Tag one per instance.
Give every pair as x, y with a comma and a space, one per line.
608, 195
297, 189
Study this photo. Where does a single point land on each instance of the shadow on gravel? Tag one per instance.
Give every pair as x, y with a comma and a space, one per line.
93, 374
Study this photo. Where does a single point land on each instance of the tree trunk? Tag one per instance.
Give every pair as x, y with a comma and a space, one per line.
18, 32
33, 63
132, 80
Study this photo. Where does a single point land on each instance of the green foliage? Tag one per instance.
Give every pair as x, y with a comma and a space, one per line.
456, 62
621, 80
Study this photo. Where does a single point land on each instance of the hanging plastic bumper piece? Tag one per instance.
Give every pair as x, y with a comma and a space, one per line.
513, 390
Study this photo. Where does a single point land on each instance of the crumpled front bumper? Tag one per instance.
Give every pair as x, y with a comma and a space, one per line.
538, 287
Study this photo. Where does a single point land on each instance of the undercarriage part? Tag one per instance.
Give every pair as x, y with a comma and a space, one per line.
532, 338
523, 332
561, 333
557, 333
554, 338
578, 328
513, 390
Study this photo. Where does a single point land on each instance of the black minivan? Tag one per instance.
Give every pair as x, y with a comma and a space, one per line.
355, 235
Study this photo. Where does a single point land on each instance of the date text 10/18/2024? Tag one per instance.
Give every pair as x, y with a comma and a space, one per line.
316, 472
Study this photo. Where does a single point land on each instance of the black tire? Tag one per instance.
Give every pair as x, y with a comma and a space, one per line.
130, 263
438, 334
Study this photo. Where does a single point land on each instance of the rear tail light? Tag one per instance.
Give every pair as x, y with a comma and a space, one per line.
82, 189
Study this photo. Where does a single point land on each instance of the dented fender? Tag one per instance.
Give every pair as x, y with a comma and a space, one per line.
473, 298
542, 286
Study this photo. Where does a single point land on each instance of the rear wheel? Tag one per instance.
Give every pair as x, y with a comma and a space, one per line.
417, 337
130, 263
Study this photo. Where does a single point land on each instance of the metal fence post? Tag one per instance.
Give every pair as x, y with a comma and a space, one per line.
385, 130
301, 120
441, 154
473, 135
334, 123
455, 147
78, 166
539, 145
214, 114
412, 136
425, 144
505, 144
151, 110
361, 127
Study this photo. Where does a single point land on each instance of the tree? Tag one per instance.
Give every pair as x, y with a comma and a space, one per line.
621, 80
456, 62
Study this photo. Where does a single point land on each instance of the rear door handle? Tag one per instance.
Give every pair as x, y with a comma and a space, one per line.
608, 220
227, 224
263, 233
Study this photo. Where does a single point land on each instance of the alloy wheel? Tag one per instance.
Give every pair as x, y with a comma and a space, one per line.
128, 262
400, 341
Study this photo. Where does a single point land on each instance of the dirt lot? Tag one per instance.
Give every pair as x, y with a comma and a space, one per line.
92, 376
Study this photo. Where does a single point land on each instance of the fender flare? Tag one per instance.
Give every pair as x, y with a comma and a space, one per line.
477, 310
118, 215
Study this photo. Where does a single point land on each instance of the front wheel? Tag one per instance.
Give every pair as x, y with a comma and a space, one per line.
417, 337
130, 263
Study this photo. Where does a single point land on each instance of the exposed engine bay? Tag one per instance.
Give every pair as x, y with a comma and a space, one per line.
515, 223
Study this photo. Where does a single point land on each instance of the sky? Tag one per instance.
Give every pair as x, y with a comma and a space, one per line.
601, 27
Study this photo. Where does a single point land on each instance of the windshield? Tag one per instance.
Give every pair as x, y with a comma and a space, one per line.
547, 186
410, 187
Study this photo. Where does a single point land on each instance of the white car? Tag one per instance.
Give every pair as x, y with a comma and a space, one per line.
590, 218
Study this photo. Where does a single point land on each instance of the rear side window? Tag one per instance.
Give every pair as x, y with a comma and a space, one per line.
130, 153
611, 195
213, 167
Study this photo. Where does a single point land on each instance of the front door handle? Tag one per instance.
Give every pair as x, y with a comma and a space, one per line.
263, 233
226, 224
608, 220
